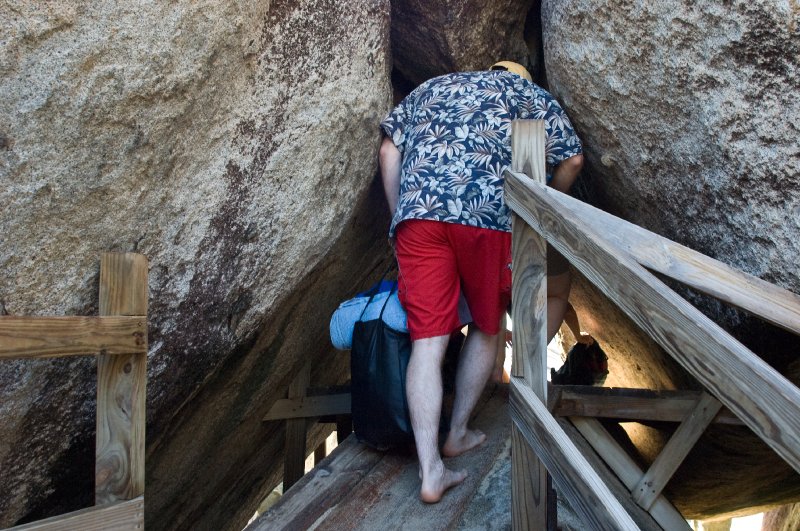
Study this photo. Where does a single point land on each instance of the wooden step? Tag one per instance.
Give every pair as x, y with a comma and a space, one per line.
360, 488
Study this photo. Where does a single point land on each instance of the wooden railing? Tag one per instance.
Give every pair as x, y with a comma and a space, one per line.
118, 337
615, 256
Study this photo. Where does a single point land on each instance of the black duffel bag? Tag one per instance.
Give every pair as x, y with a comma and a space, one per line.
378, 362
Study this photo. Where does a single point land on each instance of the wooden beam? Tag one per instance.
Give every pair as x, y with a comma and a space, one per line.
310, 406
779, 306
529, 351
765, 400
295, 449
53, 337
121, 382
628, 404
121, 516
574, 476
627, 470
676, 450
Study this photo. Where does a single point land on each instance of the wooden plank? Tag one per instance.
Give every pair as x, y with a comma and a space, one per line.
121, 516
322, 488
123, 284
627, 470
758, 394
295, 449
574, 476
52, 337
310, 406
529, 311
676, 450
779, 306
121, 383
529, 273
628, 404
528, 303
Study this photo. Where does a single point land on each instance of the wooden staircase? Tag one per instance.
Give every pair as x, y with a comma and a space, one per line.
555, 430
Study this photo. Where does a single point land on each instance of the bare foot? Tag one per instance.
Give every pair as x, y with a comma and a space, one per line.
456, 445
435, 485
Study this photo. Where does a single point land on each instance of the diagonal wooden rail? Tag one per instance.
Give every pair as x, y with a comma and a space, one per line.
118, 337
614, 255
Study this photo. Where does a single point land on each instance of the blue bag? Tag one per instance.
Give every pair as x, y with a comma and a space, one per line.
367, 306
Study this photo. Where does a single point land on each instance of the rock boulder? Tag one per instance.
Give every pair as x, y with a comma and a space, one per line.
232, 143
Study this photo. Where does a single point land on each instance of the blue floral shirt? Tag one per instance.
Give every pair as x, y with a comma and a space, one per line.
454, 132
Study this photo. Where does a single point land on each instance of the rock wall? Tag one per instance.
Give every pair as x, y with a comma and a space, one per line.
234, 144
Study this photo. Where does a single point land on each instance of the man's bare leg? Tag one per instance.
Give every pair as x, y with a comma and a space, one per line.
424, 393
499, 374
474, 368
558, 287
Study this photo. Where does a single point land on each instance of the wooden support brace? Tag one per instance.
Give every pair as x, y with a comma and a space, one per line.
628, 404
295, 451
627, 470
121, 382
52, 337
676, 450
586, 491
310, 406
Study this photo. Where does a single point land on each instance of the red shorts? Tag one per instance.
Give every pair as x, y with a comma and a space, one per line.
438, 261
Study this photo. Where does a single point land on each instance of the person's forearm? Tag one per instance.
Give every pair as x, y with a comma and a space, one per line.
390, 161
566, 173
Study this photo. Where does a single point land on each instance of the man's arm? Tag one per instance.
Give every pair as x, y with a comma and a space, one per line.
566, 172
390, 160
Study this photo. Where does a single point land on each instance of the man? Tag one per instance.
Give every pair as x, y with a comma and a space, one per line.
447, 145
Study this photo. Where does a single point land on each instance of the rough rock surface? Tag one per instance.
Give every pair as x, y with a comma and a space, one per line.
691, 124
785, 518
433, 38
234, 144
691, 120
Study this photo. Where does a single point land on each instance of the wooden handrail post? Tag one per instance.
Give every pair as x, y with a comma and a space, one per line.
295, 448
529, 314
121, 381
